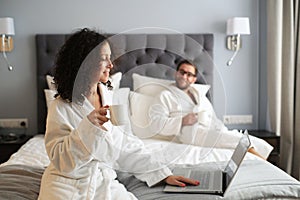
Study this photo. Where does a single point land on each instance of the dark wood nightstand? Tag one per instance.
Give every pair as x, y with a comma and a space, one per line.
8, 148
273, 140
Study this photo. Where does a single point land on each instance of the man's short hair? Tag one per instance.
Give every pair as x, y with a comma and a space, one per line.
188, 63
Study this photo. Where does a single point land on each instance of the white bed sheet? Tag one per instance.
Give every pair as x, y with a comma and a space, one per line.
32, 153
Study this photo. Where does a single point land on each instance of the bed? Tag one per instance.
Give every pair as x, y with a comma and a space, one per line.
141, 59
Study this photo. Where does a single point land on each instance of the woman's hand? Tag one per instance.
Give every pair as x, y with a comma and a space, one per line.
98, 116
180, 181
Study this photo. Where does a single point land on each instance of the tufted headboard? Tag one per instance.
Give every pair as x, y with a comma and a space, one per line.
154, 55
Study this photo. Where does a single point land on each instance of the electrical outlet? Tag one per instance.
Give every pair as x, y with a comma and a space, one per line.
14, 123
237, 119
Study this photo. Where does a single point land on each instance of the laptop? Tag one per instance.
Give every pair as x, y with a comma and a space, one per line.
213, 180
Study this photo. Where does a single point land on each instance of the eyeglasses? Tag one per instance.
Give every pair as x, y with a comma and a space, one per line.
189, 74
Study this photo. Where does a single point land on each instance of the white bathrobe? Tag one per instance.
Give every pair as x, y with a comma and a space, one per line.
171, 105
84, 157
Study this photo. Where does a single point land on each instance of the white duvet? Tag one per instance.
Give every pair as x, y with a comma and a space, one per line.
257, 179
33, 153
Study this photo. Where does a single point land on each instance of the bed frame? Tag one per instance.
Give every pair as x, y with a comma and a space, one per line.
154, 55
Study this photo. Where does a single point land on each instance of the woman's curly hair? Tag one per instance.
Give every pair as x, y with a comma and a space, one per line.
76, 62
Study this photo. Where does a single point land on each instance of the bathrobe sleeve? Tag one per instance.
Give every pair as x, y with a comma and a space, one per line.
166, 114
71, 141
136, 159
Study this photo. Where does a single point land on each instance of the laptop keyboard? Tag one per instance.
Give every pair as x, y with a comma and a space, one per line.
203, 177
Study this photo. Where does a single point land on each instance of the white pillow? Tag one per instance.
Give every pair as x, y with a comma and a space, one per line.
148, 85
140, 119
153, 86
115, 80
49, 95
121, 96
201, 88
50, 82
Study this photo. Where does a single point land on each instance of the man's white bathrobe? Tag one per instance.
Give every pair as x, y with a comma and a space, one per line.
171, 105
84, 157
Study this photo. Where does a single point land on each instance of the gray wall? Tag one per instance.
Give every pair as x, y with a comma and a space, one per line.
240, 94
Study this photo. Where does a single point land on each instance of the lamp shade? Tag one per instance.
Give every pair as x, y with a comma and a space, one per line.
7, 26
238, 25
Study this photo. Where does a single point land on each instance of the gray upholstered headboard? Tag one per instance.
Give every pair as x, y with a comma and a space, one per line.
154, 55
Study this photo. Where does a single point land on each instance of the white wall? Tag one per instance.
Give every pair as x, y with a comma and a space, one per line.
18, 88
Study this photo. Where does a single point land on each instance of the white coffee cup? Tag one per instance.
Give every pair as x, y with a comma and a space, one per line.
118, 114
204, 118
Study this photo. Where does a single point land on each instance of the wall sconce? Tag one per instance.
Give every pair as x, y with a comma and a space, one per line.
236, 27
6, 31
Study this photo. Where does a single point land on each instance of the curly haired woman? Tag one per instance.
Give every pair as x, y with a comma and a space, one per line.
83, 146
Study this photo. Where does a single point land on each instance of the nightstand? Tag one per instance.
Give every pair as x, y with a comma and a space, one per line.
7, 148
273, 140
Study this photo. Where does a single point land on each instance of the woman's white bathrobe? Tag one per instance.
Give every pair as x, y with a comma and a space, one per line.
84, 157
171, 105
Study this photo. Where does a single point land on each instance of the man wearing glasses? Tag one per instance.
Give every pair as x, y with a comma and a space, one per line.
182, 112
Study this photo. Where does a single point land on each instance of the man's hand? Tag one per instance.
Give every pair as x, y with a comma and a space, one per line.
189, 119
180, 181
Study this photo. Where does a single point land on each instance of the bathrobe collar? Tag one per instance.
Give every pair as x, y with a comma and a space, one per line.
183, 95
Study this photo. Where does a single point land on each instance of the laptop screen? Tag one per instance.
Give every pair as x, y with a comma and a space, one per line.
237, 156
